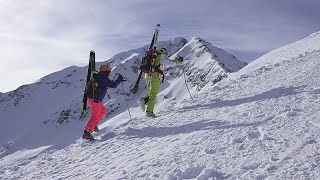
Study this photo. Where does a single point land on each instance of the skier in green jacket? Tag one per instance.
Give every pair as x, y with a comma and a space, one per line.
153, 82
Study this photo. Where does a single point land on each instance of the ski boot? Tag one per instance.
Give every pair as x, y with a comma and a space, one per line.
150, 114
87, 135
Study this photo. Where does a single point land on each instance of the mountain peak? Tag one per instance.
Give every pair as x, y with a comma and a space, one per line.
314, 35
206, 63
202, 47
199, 40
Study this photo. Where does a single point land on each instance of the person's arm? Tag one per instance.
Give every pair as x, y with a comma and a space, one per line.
105, 82
177, 60
112, 84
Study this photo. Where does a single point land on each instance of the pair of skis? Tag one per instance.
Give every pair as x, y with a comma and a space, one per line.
91, 75
152, 47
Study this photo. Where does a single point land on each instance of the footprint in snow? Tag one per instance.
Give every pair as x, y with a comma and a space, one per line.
189, 173
212, 174
310, 140
255, 134
238, 140
209, 150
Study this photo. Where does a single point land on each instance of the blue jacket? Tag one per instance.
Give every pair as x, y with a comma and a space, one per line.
104, 82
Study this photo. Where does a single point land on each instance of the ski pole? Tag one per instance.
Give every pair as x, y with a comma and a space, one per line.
185, 81
125, 98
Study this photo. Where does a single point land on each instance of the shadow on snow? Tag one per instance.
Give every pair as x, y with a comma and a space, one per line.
272, 94
187, 128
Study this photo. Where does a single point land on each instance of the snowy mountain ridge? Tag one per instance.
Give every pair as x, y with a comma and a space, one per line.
72, 77
293, 50
48, 111
261, 122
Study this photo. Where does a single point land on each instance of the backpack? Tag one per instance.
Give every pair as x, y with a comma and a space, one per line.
148, 61
148, 64
92, 88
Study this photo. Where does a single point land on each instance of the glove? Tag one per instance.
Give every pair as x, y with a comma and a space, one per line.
120, 78
178, 60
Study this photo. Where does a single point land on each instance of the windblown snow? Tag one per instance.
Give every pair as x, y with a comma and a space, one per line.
261, 122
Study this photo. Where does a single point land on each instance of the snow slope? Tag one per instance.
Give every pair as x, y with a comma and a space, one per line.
43, 117
262, 122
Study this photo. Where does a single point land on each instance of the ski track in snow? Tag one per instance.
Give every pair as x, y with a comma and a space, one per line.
258, 124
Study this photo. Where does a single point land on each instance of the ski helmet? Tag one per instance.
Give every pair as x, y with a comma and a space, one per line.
164, 51
105, 68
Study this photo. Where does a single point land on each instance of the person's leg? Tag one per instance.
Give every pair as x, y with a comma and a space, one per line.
103, 112
143, 101
95, 113
154, 87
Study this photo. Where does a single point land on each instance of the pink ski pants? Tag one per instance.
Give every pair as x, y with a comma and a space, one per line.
98, 111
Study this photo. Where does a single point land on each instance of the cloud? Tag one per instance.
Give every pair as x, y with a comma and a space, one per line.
45, 36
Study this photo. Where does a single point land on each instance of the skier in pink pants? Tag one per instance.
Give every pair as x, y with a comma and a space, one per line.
98, 111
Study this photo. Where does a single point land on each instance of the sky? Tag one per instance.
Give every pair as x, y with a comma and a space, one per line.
41, 37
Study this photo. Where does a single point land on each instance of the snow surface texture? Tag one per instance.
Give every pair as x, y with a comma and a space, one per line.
261, 122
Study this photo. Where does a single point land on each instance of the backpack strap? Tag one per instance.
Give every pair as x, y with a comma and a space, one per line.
159, 71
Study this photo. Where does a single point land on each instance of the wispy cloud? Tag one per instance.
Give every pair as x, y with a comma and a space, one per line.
45, 36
